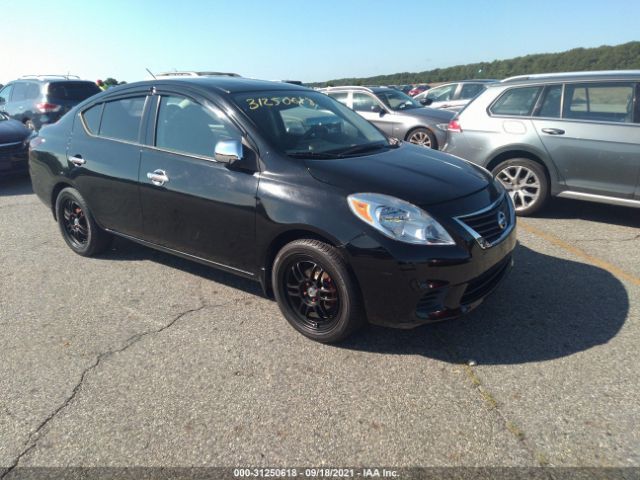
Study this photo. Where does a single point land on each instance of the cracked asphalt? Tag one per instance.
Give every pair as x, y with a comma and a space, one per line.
139, 358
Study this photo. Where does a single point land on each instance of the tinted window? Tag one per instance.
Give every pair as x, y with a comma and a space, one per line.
5, 93
19, 92
76, 91
363, 102
442, 94
188, 127
396, 100
516, 101
340, 96
605, 102
91, 118
470, 90
550, 106
121, 119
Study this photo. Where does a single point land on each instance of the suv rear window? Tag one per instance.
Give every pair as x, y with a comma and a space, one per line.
76, 91
516, 101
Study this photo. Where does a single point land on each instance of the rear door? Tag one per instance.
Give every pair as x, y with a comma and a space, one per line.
203, 208
104, 159
591, 136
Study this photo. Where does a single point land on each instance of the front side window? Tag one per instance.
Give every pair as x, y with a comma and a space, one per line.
443, 93
309, 124
516, 101
5, 94
364, 103
604, 102
185, 126
396, 100
19, 92
121, 119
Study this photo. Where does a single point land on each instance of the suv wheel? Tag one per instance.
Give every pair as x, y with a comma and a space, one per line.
526, 182
422, 136
315, 291
77, 225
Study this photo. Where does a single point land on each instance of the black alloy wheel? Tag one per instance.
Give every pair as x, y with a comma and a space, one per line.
77, 225
315, 291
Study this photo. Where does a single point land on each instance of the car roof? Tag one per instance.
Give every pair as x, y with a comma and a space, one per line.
220, 84
50, 78
371, 89
571, 76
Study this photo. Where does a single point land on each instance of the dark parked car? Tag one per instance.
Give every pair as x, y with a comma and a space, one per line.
396, 114
284, 185
573, 135
39, 100
14, 146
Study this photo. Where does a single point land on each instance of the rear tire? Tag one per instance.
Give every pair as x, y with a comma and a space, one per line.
526, 182
315, 291
77, 225
423, 137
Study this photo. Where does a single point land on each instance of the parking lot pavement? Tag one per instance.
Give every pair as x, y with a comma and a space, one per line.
139, 358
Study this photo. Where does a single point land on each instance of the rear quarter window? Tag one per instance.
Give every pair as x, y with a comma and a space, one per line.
91, 118
517, 101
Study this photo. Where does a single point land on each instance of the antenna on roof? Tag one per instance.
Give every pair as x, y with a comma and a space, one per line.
154, 77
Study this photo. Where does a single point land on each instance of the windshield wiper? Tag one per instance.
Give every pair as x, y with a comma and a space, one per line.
307, 154
366, 147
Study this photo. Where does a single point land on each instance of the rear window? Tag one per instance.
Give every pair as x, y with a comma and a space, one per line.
516, 101
76, 91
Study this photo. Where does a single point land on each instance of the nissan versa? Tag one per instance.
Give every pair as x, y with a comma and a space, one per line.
283, 185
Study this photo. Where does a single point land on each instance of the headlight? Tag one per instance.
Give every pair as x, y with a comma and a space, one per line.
398, 219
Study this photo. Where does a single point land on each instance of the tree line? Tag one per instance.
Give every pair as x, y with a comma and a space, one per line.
618, 57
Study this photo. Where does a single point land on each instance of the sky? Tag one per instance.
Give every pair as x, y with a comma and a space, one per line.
294, 39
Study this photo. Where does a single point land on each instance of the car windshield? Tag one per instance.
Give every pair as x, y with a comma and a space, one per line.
396, 100
310, 124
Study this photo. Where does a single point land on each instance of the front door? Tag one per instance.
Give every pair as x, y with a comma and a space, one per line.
371, 109
202, 207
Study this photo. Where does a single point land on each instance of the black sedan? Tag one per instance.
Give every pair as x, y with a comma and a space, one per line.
283, 185
14, 146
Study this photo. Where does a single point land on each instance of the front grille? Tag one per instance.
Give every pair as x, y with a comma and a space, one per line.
481, 286
486, 224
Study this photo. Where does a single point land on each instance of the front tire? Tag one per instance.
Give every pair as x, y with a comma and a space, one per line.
315, 291
77, 225
423, 137
526, 182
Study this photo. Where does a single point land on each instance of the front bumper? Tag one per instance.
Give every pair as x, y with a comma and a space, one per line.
405, 286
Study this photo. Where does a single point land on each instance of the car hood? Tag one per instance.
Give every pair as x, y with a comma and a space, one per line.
12, 131
416, 174
437, 114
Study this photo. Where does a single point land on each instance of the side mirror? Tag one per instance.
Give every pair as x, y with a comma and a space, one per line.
228, 151
376, 108
426, 101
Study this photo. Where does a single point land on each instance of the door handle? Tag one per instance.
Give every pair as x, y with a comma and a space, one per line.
77, 160
553, 131
158, 177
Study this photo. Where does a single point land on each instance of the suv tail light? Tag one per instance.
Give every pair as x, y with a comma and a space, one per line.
454, 126
47, 107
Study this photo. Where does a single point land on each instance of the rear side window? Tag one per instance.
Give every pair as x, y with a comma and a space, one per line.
604, 102
91, 118
340, 96
121, 119
516, 101
551, 101
33, 91
470, 90
74, 91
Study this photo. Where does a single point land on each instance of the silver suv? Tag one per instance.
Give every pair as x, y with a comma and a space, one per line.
573, 135
396, 113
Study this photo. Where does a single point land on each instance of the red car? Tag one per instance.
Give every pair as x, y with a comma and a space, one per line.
418, 89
